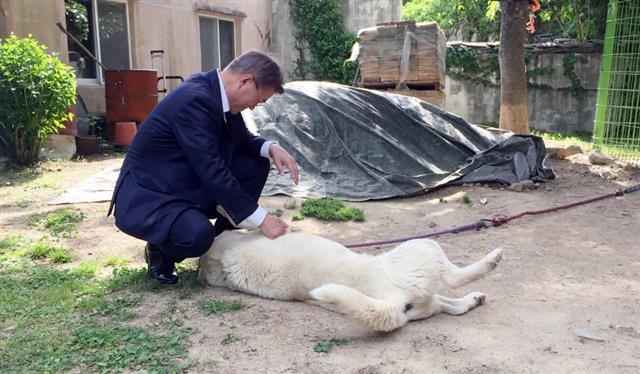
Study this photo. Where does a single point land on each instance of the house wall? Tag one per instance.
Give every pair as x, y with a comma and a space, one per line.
556, 109
169, 25
38, 18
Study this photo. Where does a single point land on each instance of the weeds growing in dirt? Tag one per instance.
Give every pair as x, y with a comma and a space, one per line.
17, 246
230, 338
324, 346
329, 209
61, 222
116, 261
218, 307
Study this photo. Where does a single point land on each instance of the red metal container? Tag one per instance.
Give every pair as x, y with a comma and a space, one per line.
130, 95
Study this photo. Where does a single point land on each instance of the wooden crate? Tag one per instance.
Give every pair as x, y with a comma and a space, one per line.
381, 48
435, 97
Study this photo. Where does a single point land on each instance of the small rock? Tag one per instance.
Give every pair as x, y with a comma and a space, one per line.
290, 204
599, 158
523, 185
626, 166
588, 335
557, 153
573, 149
607, 173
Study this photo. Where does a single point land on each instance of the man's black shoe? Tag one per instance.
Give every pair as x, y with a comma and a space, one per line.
160, 267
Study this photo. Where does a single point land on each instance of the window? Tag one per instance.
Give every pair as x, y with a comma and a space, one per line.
217, 42
102, 27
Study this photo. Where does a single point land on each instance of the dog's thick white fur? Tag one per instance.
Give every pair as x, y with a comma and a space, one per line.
382, 292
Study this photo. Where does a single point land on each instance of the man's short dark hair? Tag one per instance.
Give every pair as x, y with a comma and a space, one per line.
264, 68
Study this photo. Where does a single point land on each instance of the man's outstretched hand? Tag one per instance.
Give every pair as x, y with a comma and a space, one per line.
272, 226
283, 160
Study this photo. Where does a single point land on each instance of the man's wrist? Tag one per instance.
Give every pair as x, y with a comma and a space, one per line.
264, 150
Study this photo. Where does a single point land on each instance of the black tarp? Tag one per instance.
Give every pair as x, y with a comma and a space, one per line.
357, 144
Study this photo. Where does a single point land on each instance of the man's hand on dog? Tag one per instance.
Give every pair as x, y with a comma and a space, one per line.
272, 226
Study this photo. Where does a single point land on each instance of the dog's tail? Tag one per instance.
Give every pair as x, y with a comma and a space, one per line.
379, 315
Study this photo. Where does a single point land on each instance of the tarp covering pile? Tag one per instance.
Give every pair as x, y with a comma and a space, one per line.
358, 144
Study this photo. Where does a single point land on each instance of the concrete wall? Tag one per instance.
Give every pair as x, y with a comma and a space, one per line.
360, 14
557, 109
357, 14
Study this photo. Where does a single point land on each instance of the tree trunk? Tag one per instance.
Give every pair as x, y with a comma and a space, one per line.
514, 114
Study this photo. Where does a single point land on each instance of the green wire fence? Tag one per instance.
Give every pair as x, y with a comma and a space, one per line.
617, 119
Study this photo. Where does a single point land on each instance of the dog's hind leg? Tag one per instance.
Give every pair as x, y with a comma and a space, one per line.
459, 306
377, 314
455, 276
440, 304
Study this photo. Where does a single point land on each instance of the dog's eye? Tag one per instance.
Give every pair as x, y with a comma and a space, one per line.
408, 307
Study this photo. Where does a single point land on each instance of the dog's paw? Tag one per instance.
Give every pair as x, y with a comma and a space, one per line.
477, 298
494, 257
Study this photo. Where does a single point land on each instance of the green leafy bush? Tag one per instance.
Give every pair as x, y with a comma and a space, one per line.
36, 92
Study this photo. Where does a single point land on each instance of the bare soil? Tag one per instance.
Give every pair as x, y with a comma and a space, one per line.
564, 299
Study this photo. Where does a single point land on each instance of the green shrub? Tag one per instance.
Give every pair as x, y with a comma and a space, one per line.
36, 92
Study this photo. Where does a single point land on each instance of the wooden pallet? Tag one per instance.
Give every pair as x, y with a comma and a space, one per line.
381, 48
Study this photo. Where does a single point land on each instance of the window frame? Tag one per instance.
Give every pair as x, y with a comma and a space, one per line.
99, 79
218, 18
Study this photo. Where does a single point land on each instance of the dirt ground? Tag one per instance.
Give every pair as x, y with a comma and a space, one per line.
564, 299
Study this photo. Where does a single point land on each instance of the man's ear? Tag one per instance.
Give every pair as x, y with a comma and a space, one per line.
246, 78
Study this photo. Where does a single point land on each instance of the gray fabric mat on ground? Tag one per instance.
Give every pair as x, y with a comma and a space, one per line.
357, 144
96, 188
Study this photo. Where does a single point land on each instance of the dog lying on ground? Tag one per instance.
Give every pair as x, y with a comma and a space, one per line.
382, 292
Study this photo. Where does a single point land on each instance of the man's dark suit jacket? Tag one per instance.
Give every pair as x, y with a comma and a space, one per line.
179, 160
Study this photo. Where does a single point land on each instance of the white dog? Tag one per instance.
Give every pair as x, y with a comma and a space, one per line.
382, 292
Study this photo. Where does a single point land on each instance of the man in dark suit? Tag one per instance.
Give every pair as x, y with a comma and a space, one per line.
193, 159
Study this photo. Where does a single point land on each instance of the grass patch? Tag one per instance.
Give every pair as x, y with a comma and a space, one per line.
45, 249
217, 307
61, 222
582, 139
118, 261
16, 247
19, 175
55, 320
23, 202
324, 346
11, 243
466, 199
230, 338
329, 209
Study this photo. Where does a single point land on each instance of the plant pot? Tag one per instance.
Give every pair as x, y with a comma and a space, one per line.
87, 145
70, 127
